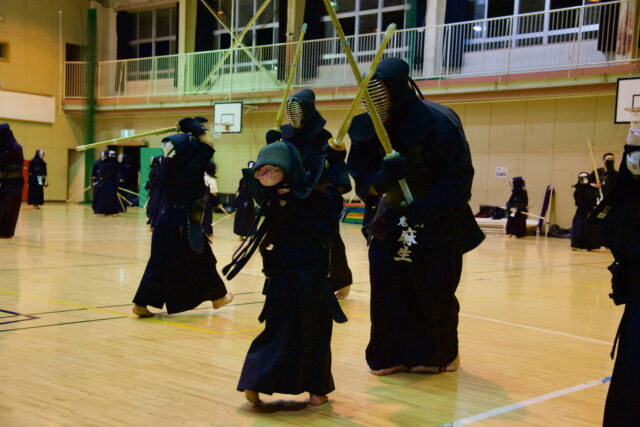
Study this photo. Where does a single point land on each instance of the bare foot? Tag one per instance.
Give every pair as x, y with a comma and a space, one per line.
453, 366
141, 311
318, 399
220, 302
575, 249
241, 238
389, 371
253, 397
343, 293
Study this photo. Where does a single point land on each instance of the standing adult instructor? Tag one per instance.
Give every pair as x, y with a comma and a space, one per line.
415, 252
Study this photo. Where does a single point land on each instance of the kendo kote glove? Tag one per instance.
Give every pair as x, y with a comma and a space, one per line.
192, 126
334, 156
394, 168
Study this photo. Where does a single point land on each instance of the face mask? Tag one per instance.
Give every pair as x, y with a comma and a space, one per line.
584, 180
609, 164
633, 162
294, 112
380, 98
168, 149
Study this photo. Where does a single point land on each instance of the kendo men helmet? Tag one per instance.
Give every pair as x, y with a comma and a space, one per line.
300, 106
583, 178
389, 87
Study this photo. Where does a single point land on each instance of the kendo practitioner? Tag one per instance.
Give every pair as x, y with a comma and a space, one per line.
293, 353
11, 181
154, 187
619, 212
211, 199
181, 271
607, 174
517, 209
37, 179
585, 197
96, 173
108, 202
245, 208
307, 133
128, 179
415, 253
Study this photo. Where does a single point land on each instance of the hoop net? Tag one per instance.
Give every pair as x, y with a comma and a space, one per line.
635, 117
219, 128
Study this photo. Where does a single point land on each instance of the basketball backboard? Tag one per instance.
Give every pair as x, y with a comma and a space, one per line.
627, 96
227, 117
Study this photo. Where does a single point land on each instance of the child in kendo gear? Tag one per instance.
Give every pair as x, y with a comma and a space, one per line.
181, 271
292, 355
517, 209
619, 212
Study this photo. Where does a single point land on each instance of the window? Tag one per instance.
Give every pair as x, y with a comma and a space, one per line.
367, 16
533, 27
263, 32
146, 33
155, 32
359, 17
4, 51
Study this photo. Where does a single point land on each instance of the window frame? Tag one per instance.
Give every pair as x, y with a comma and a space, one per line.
172, 37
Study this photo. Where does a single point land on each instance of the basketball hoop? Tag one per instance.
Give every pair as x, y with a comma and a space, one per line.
635, 117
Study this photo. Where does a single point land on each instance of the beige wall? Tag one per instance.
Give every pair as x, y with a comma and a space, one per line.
544, 141
32, 29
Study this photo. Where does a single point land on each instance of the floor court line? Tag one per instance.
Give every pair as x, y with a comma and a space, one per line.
519, 325
548, 331
68, 266
131, 316
72, 252
127, 304
525, 403
61, 324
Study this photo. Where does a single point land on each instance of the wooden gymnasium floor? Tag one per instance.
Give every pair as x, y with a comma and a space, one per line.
536, 327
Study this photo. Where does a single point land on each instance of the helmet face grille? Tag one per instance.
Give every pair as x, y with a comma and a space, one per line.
380, 97
294, 112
